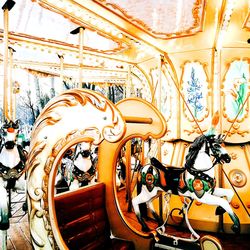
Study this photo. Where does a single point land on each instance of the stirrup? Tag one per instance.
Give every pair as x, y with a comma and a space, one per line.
161, 229
194, 236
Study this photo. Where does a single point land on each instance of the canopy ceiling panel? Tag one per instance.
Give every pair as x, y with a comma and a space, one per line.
161, 18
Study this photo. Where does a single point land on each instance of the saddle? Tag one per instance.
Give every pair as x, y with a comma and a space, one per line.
168, 176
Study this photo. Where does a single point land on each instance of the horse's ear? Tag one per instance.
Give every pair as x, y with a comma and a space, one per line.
15, 124
215, 119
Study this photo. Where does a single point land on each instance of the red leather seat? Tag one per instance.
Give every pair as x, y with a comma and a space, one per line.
83, 220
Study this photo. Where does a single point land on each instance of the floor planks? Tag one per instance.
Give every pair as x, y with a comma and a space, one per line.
18, 234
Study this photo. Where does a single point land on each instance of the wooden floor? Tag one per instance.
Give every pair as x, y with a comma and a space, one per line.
19, 235
18, 232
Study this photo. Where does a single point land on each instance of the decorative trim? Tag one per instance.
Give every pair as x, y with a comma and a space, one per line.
74, 116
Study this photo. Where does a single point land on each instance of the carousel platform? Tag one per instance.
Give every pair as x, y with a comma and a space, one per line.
227, 241
19, 234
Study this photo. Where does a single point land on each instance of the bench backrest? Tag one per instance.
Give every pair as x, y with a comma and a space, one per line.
82, 218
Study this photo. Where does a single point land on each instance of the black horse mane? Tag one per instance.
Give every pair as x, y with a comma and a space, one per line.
194, 150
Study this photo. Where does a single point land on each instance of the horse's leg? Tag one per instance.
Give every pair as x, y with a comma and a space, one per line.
4, 211
4, 239
74, 185
152, 210
214, 200
143, 197
223, 192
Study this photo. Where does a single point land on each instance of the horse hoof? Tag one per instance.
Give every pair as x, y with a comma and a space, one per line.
25, 207
220, 210
236, 228
4, 226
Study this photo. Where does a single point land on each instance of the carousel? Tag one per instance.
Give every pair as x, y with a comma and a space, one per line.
125, 124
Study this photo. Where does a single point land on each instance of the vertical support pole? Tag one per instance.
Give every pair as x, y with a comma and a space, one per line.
129, 84
8, 5
217, 106
5, 65
159, 101
81, 39
61, 71
159, 108
80, 30
12, 106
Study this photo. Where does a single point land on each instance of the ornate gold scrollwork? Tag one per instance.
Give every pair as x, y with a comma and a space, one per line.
237, 178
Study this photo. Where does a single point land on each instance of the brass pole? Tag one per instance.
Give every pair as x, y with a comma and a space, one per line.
81, 37
8, 5
12, 105
61, 70
5, 65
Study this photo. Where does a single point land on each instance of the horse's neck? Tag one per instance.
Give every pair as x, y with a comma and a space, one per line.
83, 163
203, 162
9, 157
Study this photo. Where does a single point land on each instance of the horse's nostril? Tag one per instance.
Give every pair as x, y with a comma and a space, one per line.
9, 144
226, 158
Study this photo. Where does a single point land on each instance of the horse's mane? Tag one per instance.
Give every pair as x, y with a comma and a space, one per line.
194, 150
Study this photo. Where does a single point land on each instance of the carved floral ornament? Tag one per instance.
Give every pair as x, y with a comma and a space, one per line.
73, 116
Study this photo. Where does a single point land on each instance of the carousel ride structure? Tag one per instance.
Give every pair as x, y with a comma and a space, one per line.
85, 116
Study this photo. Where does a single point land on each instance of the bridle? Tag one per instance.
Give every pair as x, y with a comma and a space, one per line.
210, 144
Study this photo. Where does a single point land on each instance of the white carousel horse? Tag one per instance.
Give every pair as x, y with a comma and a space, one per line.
12, 167
195, 181
80, 170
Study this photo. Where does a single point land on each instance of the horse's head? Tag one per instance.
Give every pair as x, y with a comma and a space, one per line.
83, 148
9, 132
216, 146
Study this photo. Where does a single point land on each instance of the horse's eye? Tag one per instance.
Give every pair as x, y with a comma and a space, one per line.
216, 145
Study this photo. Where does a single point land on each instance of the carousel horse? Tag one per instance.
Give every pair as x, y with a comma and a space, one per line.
12, 168
196, 181
78, 170
64, 174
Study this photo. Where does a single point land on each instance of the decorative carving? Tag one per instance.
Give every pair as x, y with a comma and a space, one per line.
75, 115
237, 178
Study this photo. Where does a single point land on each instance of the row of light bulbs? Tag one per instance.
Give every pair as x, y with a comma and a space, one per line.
86, 16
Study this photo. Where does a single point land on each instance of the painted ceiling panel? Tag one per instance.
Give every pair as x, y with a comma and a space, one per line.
161, 18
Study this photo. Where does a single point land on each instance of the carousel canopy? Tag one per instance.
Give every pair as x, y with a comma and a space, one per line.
125, 31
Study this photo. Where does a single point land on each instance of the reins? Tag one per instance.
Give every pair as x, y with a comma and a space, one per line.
192, 169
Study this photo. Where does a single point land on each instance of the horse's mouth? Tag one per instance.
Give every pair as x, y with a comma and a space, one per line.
9, 144
224, 158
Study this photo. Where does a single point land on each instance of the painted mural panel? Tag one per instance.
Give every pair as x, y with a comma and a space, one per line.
236, 90
195, 91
